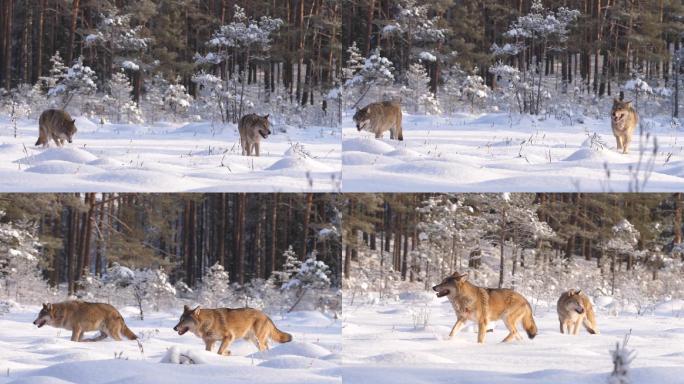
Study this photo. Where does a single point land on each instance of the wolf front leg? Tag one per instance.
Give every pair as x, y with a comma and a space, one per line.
209, 344
256, 149
76, 334
618, 139
225, 344
457, 327
481, 331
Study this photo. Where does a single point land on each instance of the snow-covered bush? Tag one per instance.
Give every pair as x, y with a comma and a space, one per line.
20, 275
177, 99
417, 92
151, 286
376, 73
215, 290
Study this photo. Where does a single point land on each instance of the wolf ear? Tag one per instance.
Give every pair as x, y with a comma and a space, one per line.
186, 308
73, 121
629, 104
616, 101
460, 276
196, 311
48, 307
266, 116
577, 292
45, 305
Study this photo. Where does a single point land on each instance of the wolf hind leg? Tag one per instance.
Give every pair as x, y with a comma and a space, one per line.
512, 330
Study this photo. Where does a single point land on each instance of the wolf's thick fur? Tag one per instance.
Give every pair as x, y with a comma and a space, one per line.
483, 305
623, 120
380, 117
252, 128
57, 125
227, 325
79, 316
574, 308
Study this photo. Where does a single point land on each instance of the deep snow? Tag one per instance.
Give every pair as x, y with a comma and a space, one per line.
381, 345
498, 152
169, 157
47, 356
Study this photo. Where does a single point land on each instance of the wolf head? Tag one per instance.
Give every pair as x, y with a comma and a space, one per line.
451, 284
263, 126
574, 302
46, 315
361, 118
189, 320
620, 110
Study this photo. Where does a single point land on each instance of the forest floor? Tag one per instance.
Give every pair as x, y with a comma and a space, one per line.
498, 152
169, 157
382, 345
47, 356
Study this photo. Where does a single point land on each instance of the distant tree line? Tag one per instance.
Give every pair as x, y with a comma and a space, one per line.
185, 234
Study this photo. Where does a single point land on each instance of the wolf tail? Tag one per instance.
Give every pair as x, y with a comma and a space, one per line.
127, 332
589, 322
529, 324
278, 335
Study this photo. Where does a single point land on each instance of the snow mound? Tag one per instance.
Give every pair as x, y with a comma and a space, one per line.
309, 318
73, 356
296, 362
403, 152
73, 155
83, 124
297, 348
298, 164
670, 308
369, 145
105, 162
138, 178
9, 148
403, 358
365, 158
175, 355
61, 168
40, 380
592, 155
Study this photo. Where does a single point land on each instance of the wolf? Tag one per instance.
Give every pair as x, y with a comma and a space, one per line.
252, 128
483, 305
57, 125
574, 307
623, 120
227, 325
80, 316
380, 117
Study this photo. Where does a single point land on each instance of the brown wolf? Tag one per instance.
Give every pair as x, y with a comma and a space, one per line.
483, 305
79, 316
623, 120
57, 125
252, 128
380, 117
227, 325
574, 307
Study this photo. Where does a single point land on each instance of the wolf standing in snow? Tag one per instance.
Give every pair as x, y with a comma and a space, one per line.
380, 117
574, 308
623, 121
57, 125
227, 325
79, 316
252, 128
483, 305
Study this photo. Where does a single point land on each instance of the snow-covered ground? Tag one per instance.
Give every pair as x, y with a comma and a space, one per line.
498, 152
381, 345
168, 157
46, 356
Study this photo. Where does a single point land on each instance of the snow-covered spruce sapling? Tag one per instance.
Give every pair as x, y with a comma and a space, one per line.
312, 275
377, 72
622, 358
215, 290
